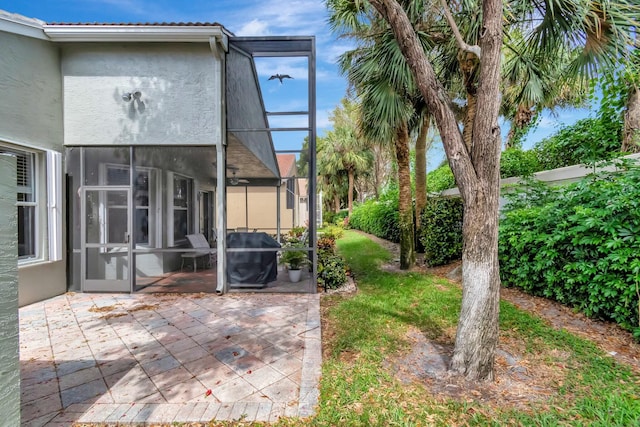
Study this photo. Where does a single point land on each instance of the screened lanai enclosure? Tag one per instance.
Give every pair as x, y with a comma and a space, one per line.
215, 217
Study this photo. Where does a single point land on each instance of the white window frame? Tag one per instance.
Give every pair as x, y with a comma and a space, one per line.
37, 174
54, 204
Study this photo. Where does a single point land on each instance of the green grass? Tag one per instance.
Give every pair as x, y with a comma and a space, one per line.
358, 388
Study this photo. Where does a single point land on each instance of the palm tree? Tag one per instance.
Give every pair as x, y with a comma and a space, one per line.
351, 152
388, 97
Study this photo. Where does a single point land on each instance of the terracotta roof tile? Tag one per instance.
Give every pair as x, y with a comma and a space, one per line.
285, 164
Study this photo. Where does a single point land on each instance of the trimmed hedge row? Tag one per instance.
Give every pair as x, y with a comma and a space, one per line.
441, 230
378, 217
578, 244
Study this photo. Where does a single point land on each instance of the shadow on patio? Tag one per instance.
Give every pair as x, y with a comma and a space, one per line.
164, 358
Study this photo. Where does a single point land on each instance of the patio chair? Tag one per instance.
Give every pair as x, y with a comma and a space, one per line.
198, 241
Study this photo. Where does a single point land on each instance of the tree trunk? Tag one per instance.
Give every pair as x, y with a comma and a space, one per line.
477, 334
350, 192
421, 168
336, 203
478, 181
469, 68
524, 116
631, 137
407, 242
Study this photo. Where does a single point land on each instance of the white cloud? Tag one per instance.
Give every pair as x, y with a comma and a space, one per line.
322, 119
255, 27
331, 52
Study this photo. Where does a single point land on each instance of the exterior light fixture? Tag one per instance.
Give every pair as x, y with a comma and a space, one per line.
131, 96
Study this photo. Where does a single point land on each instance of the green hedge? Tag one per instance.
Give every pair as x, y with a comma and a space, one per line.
440, 179
578, 244
378, 217
441, 230
517, 162
586, 141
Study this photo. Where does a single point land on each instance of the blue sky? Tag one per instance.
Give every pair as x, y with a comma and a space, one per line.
251, 18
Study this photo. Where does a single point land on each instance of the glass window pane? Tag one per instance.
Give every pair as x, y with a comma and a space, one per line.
142, 226
26, 231
180, 225
106, 166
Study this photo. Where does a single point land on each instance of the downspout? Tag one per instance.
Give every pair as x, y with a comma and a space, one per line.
219, 45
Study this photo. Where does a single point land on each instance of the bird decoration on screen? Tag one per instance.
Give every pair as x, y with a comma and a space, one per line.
280, 77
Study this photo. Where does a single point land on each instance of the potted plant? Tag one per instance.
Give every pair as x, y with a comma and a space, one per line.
294, 260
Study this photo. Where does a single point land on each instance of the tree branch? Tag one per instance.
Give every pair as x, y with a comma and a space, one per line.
475, 49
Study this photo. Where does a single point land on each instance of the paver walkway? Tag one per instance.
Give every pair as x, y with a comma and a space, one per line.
113, 358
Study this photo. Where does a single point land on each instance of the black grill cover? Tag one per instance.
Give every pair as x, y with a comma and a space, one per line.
251, 267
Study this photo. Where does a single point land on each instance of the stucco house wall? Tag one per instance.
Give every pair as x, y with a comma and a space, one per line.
262, 208
179, 94
31, 117
9, 342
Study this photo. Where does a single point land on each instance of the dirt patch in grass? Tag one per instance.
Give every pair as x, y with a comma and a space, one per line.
517, 384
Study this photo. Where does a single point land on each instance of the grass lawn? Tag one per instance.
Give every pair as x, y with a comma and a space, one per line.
565, 380
368, 337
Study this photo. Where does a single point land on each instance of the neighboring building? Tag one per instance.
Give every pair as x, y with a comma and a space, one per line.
256, 207
123, 136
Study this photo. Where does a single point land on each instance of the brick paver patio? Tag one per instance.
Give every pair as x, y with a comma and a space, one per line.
151, 358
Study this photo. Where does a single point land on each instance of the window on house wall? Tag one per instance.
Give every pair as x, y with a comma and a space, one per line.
181, 207
142, 212
26, 202
291, 194
27, 206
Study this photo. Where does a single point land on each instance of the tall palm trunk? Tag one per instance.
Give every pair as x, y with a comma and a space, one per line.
631, 137
407, 243
421, 168
350, 192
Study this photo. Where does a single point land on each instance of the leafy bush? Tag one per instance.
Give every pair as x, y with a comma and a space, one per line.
440, 179
332, 270
340, 218
333, 231
378, 217
577, 244
517, 162
441, 230
586, 141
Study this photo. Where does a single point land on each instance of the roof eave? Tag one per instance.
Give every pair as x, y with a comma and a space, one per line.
18, 24
131, 33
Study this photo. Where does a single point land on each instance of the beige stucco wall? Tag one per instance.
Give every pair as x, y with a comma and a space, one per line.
262, 204
179, 83
31, 117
